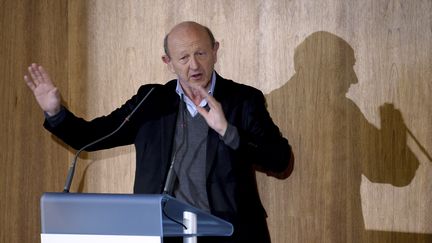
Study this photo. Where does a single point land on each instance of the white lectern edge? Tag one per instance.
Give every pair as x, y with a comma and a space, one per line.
81, 238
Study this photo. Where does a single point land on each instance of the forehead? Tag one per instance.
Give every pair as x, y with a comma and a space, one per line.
188, 38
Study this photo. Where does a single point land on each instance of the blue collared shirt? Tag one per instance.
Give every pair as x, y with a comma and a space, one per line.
189, 103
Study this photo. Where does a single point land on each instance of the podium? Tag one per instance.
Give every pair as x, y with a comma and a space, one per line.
109, 218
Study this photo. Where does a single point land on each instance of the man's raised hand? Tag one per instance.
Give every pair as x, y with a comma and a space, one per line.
214, 117
46, 94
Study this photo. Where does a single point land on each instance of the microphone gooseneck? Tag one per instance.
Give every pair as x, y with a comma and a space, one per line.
72, 166
169, 181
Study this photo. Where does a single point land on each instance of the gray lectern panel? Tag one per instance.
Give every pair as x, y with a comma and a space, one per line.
101, 214
123, 214
207, 224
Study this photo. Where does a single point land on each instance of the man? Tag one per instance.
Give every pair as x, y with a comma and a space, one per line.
215, 131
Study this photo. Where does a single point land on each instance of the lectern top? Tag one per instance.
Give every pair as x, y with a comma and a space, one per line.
123, 214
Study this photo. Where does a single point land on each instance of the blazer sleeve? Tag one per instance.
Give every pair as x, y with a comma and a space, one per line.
261, 142
78, 132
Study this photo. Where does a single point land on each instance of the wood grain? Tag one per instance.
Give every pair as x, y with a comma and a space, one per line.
31, 161
348, 83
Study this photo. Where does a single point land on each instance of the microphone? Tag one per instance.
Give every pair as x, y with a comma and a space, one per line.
169, 181
72, 166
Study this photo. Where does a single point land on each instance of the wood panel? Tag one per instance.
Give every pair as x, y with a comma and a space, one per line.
31, 161
362, 170
348, 82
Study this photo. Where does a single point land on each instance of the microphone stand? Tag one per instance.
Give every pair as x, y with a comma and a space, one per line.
72, 166
169, 182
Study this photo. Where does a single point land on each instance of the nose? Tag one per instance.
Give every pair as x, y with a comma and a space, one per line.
194, 65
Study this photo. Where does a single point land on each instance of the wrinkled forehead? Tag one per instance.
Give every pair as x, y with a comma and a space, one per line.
188, 37
179, 46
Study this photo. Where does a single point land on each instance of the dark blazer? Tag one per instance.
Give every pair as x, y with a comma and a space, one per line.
231, 184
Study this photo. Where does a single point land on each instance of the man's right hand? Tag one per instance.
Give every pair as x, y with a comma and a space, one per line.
46, 94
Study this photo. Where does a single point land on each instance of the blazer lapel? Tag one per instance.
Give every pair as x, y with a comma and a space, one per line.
212, 144
167, 131
213, 137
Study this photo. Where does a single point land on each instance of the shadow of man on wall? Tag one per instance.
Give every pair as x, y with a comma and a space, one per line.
334, 145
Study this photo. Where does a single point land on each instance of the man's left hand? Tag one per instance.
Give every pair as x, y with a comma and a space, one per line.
214, 117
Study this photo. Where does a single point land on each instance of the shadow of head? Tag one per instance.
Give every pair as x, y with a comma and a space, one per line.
325, 56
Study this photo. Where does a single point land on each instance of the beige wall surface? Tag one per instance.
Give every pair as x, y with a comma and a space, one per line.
348, 83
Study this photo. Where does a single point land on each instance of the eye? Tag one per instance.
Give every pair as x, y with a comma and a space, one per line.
183, 59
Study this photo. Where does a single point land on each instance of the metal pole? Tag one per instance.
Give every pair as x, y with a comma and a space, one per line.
190, 221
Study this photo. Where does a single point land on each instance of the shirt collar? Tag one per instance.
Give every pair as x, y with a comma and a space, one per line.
189, 103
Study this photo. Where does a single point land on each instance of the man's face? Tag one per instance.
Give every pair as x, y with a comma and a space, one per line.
191, 56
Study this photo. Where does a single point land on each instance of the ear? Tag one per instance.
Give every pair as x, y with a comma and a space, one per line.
167, 60
216, 46
215, 49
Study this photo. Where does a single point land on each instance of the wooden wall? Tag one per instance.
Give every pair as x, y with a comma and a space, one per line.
31, 162
348, 82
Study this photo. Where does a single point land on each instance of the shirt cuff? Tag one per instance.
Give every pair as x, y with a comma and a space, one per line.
231, 137
55, 120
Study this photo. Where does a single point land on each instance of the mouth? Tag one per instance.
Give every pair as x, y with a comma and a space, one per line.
196, 76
